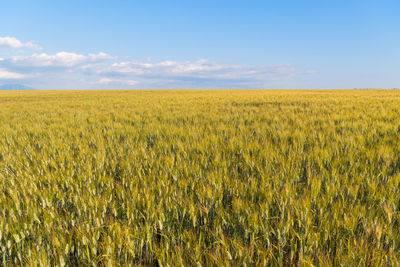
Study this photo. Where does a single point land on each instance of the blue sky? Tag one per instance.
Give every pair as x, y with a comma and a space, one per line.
200, 44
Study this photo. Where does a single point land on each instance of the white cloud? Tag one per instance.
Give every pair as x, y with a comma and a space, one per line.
61, 59
5, 74
127, 67
116, 81
103, 70
12, 42
201, 69
165, 67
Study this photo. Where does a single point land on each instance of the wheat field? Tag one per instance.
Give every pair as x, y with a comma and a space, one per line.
200, 178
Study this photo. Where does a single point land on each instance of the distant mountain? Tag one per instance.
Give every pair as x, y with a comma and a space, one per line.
15, 87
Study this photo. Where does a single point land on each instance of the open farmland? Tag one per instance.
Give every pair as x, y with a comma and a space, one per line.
200, 177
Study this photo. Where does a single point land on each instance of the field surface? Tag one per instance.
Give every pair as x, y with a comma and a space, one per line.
254, 178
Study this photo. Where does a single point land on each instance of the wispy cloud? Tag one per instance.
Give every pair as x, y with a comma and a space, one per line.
12, 42
61, 59
200, 69
70, 69
109, 81
5, 74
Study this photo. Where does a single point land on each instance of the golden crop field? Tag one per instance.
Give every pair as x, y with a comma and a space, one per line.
200, 178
